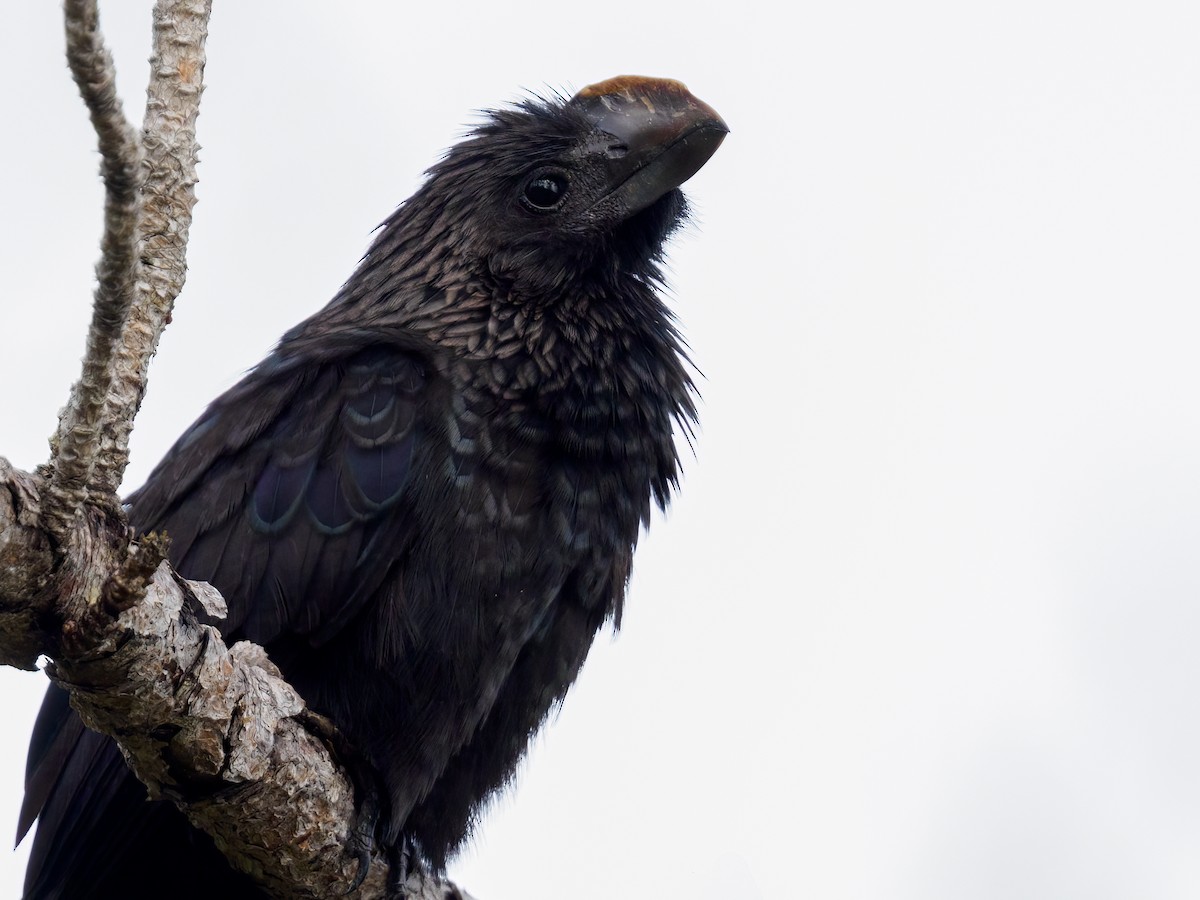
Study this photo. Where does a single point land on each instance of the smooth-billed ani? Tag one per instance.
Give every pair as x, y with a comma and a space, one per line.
425, 501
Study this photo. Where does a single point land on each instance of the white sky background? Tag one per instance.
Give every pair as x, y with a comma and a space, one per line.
923, 622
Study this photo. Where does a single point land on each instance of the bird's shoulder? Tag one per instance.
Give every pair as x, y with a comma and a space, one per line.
279, 489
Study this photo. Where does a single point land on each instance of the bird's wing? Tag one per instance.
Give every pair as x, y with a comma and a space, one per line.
280, 495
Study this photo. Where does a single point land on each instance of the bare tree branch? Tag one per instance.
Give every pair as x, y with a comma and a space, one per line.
214, 729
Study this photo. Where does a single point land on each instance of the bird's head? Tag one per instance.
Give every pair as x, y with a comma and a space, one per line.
550, 188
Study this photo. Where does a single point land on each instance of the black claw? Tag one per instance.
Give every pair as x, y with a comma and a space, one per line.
364, 866
362, 839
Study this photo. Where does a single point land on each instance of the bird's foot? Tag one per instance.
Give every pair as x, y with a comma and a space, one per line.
368, 791
362, 836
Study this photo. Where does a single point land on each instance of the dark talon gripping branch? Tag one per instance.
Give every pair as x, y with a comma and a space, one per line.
424, 503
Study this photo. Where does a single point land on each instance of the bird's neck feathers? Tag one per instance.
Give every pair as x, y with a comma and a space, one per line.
550, 312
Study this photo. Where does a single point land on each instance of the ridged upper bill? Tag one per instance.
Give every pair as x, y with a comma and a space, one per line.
662, 134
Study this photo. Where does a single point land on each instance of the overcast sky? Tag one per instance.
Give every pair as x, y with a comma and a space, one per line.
922, 624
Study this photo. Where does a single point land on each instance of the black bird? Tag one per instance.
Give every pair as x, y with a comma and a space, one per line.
425, 501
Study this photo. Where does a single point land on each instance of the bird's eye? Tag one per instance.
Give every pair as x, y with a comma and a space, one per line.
545, 191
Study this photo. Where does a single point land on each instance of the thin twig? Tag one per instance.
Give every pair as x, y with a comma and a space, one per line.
169, 139
78, 439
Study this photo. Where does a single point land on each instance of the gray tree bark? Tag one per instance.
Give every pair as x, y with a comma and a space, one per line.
214, 729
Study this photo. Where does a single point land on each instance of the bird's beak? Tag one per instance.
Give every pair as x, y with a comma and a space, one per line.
661, 134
